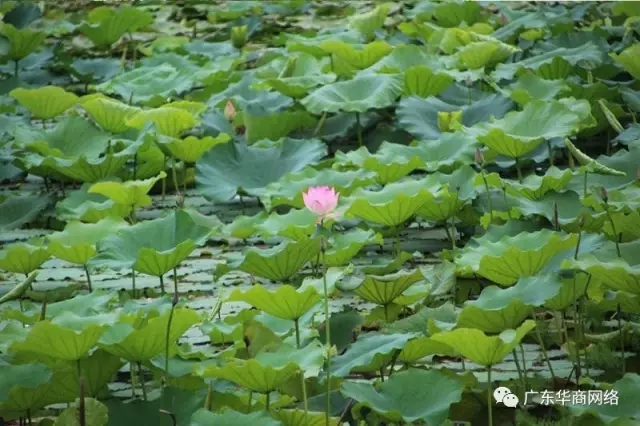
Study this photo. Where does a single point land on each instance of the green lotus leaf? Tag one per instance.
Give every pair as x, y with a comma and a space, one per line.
333, 276
76, 244
368, 23
23, 258
418, 349
133, 193
227, 417
301, 417
350, 57
390, 162
423, 82
456, 192
24, 387
152, 247
288, 190
106, 26
624, 200
625, 227
532, 187
614, 273
191, 148
365, 350
392, 205
148, 84
244, 227
561, 57
357, 95
383, 290
278, 263
570, 290
46, 102
258, 122
447, 153
286, 302
473, 50
232, 167
252, 375
67, 336
628, 59
169, 121
622, 414
111, 115
22, 42
498, 309
310, 358
25, 376
401, 397
95, 414
74, 149
297, 224
243, 94
511, 257
419, 116
17, 292
529, 87
18, 210
221, 331
144, 343
485, 350
589, 164
87, 207
344, 246
305, 74
520, 132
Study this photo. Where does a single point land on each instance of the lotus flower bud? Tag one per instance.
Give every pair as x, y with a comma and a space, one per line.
581, 221
229, 111
175, 299
239, 36
469, 81
604, 194
479, 157
503, 19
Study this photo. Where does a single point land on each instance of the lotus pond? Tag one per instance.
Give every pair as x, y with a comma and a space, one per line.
158, 265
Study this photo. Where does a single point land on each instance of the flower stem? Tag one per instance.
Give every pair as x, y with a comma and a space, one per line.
486, 187
489, 395
327, 329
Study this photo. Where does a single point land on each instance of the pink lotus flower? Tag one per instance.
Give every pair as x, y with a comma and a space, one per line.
229, 111
322, 201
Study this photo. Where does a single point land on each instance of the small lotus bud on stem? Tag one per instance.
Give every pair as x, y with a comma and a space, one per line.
479, 157
581, 221
229, 111
604, 195
175, 299
469, 81
503, 19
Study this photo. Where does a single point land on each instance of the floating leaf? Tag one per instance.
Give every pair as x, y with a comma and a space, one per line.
109, 114
130, 193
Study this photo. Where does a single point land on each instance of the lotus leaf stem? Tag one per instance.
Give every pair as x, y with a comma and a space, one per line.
268, 401
162, 285
518, 170
542, 346
359, 128
88, 275
524, 366
135, 168
296, 324
305, 398
164, 179
16, 68
82, 415
619, 314
133, 283
320, 125
489, 396
175, 280
174, 176
142, 384
584, 183
174, 302
249, 402
327, 328
486, 187
515, 359
550, 151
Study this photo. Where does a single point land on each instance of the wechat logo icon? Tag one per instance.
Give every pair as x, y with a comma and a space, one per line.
505, 396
